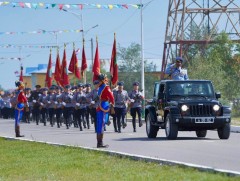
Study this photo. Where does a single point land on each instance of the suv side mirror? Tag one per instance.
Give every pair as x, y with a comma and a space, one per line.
218, 95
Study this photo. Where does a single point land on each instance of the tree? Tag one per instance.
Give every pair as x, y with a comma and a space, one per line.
129, 63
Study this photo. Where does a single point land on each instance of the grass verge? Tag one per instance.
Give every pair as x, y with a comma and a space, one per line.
22, 160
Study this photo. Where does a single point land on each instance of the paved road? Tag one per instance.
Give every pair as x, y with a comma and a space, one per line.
209, 151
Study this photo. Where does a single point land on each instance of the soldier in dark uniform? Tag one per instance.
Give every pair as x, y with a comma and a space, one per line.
27, 111
66, 99
80, 100
43, 105
136, 105
121, 99
58, 105
93, 96
33, 99
87, 92
50, 104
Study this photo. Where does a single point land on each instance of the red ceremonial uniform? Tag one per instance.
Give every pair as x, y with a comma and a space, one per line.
21, 97
106, 95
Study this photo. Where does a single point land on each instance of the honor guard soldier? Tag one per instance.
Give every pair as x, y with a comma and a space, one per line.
51, 104
33, 99
66, 98
87, 92
105, 106
121, 99
136, 99
58, 105
21, 102
43, 105
175, 71
93, 96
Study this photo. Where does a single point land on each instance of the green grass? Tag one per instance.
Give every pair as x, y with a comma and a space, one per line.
20, 160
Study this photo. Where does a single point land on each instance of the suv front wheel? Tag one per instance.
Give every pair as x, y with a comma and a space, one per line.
171, 129
151, 129
224, 132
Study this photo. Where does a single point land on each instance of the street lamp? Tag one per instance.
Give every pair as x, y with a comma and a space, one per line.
79, 16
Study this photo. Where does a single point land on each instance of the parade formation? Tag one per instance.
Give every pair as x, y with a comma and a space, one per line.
79, 106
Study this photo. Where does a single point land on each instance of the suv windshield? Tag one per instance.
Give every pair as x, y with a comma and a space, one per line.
188, 89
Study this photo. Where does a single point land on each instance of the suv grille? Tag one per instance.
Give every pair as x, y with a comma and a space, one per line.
201, 110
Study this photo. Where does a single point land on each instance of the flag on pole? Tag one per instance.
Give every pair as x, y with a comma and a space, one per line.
48, 79
96, 64
21, 74
84, 61
73, 66
113, 65
64, 70
57, 72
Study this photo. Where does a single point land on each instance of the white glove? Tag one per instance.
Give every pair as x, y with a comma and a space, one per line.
77, 104
41, 104
56, 102
93, 102
34, 101
63, 103
132, 100
49, 102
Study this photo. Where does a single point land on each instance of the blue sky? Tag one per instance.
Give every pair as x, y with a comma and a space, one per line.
125, 22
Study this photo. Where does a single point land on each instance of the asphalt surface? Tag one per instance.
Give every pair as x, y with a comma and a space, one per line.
210, 151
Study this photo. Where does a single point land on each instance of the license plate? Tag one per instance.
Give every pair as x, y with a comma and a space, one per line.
204, 120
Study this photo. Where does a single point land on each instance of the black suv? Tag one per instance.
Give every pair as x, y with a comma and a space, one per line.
189, 105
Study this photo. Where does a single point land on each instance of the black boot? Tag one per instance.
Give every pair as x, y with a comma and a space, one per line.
100, 141
17, 130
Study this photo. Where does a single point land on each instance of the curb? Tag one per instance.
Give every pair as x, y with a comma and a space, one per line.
140, 158
235, 129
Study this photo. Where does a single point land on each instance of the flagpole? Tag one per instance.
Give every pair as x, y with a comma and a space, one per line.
84, 72
74, 73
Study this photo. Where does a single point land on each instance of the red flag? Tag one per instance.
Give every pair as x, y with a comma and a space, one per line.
96, 65
73, 66
84, 61
57, 72
113, 65
48, 79
64, 71
21, 74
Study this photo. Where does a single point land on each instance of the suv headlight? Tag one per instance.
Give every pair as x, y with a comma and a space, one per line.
216, 107
184, 108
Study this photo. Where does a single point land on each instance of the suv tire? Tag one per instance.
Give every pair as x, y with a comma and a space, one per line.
151, 129
171, 129
224, 132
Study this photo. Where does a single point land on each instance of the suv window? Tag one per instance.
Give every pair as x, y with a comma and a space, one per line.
190, 89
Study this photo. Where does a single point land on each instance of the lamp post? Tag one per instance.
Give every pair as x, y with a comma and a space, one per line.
80, 16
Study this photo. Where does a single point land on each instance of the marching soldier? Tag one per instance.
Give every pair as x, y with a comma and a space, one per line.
80, 101
87, 92
58, 105
43, 105
50, 104
121, 99
66, 99
35, 105
136, 105
27, 110
94, 99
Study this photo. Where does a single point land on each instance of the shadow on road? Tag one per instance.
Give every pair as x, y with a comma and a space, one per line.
163, 139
